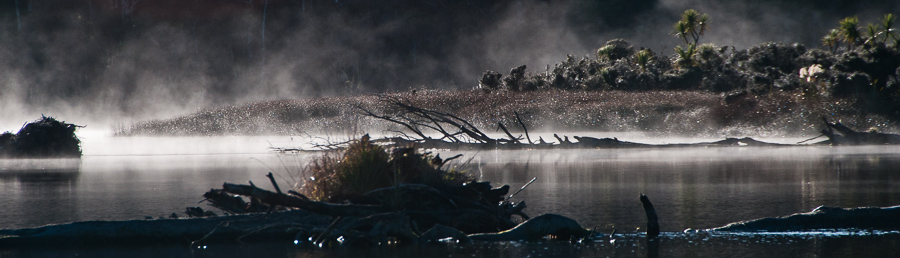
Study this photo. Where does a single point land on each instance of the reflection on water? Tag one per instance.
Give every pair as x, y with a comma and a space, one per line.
668, 245
697, 187
690, 188
128, 187
37, 186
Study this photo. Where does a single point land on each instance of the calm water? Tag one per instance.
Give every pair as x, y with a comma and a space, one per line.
133, 178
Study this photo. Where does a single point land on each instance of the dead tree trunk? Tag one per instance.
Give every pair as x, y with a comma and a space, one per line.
523, 127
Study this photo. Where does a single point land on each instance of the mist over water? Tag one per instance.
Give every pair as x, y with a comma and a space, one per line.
110, 63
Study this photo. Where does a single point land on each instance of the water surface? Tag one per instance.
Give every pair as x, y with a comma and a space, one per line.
134, 178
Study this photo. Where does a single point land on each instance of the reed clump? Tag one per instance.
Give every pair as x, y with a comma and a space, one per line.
348, 174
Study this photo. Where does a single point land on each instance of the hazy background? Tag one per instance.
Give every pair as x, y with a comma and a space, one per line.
107, 63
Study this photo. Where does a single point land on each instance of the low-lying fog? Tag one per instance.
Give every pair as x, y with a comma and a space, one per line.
101, 143
107, 64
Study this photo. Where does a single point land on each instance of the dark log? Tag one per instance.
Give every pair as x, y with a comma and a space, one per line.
536, 228
281, 225
746, 141
226, 202
308, 205
478, 196
298, 195
384, 225
473, 207
591, 142
438, 232
872, 218
652, 220
839, 134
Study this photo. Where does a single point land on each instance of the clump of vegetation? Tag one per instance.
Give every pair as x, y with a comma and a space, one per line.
861, 66
849, 31
693, 24
614, 50
852, 78
685, 56
364, 166
44, 138
642, 58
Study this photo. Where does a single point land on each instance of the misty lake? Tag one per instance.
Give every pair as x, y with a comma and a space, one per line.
137, 177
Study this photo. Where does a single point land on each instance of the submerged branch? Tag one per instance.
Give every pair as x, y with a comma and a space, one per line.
304, 204
652, 220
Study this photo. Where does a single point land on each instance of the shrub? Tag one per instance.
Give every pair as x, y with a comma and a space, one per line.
490, 80
513, 81
685, 56
642, 58
364, 166
614, 50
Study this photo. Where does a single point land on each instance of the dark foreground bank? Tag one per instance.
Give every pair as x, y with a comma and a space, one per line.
294, 226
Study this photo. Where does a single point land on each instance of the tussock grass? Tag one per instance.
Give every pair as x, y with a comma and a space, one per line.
362, 167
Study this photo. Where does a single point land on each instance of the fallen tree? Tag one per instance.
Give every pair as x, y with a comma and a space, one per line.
822, 217
280, 225
839, 134
458, 134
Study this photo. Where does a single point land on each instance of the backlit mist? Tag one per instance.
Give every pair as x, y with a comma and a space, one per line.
106, 63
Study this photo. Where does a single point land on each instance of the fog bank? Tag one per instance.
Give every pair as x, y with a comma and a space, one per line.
109, 63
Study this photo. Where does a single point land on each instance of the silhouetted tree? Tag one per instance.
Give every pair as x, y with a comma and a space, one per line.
832, 40
692, 24
849, 31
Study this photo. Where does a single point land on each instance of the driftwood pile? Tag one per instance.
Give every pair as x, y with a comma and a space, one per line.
377, 196
417, 201
44, 138
407, 212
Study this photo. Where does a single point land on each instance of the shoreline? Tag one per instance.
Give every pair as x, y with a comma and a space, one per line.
675, 113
